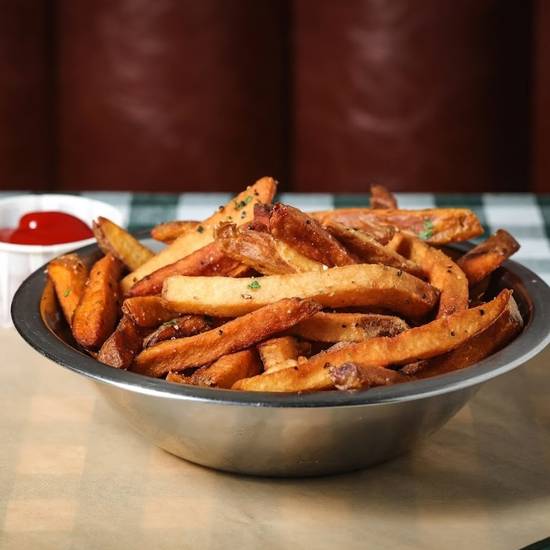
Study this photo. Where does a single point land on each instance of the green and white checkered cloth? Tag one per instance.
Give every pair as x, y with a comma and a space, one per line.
524, 215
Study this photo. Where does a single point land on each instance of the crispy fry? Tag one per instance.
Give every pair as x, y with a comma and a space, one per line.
148, 311
307, 236
370, 251
436, 225
208, 260
354, 376
354, 285
224, 372
95, 317
424, 342
178, 378
122, 346
348, 327
381, 197
441, 271
233, 336
186, 325
68, 274
281, 353
238, 210
168, 232
112, 239
482, 260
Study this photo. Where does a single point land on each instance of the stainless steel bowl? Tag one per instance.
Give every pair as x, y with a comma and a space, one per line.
281, 434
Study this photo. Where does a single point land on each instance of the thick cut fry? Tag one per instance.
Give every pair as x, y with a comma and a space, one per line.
482, 260
435, 225
224, 372
281, 353
424, 342
370, 251
148, 311
266, 254
168, 232
208, 260
348, 327
236, 335
354, 285
112, 239
353, 376
122, 346
186, 325
68, 274
95, 317
307, 236
441, 271
178, 378
239, 210
381, 197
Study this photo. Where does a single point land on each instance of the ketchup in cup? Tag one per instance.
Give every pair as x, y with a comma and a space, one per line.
45, 228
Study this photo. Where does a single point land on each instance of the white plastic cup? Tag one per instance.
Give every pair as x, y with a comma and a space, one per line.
18, 261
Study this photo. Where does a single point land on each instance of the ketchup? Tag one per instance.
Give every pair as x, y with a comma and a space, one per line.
46, 228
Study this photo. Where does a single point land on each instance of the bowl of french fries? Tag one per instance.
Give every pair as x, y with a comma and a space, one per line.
269, 341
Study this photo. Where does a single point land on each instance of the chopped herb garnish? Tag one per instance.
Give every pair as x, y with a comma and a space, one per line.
254, 285
243, 203
67, 292
428, 230
200, 229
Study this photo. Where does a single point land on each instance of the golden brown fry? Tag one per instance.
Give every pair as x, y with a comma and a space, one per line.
208, 260
68, 274
148, 311
370, 251
441, 271
122, 346
348, 327
239, 210
307, 236
168, 232
112, 239
354, 376
236, 335
95, 317
281, 353
186, 325
381, 197
224, 372
435, 225
423, 342
354, 285
482, 260
178, 378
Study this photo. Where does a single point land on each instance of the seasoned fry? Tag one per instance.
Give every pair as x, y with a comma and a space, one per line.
381, 197
436, 225
348, 327
112, 239
370, 251
122, 346
354, 376
239, 210
68, 274
178, 378
186, 325
281, 353
95, 317
482, 260
224, 372
241, 333
168, 232
148, 311
354, 285
208, 260
441, 271
423, 342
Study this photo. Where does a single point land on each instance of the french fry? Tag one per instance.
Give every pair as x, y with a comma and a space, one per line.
348, 327
148, 311
224, 372
186, 325
353, 376
178, 378
370, 251
95, 317
482, 260
441, 271
239, 210
354, 285
423, 342
168, 232
112, 239
208, 260
381, 197
122, 346
435, 226
68, 274
241, 333
281, 353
